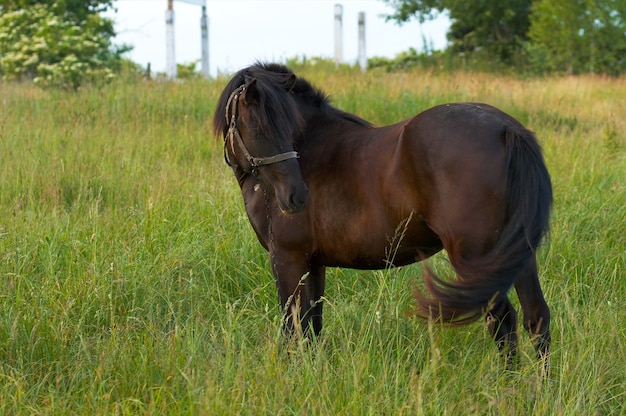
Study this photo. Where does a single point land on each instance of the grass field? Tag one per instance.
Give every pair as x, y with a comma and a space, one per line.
132, 282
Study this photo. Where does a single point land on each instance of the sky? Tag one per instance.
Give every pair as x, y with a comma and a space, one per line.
244, 31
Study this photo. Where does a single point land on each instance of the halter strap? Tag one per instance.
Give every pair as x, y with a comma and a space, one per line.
233, 135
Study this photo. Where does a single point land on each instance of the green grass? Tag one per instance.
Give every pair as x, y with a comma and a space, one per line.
132, 282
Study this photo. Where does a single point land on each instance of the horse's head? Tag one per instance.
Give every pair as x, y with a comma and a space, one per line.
260, 123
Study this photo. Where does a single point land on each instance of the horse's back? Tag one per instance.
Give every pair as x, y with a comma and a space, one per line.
465, 124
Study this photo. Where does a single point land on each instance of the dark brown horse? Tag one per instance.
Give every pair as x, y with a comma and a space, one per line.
325, 188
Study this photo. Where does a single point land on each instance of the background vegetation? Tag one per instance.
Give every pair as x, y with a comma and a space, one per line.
58, 43
133, 283
67, 43
530, 36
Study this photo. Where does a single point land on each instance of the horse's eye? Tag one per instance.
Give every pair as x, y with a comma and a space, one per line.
256, 133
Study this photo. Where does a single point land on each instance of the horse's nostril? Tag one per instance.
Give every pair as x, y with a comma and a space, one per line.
299, 200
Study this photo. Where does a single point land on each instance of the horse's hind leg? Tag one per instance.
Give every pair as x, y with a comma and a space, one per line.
535, 310
502, 324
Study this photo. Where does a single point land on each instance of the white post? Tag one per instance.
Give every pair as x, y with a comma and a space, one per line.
362, 54
170, 57
204, 26
338, 34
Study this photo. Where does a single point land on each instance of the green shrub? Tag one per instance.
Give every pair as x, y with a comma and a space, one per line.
52, 50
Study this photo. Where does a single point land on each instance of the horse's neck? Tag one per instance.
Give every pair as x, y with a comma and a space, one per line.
241, 176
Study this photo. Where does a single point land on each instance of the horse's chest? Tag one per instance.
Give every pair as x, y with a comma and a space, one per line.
258, 211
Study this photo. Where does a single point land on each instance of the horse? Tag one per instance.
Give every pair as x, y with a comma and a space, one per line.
325, 188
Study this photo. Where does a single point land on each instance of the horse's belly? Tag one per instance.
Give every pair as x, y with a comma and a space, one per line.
369, 248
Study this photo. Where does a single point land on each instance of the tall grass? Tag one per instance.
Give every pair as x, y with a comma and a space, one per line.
133, 283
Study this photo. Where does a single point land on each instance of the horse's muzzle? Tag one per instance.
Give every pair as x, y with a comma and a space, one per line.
296, 202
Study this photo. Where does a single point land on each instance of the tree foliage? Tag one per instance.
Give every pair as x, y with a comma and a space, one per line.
570, 36
576, 36
63, 43
77, 10
497, 27
423, 10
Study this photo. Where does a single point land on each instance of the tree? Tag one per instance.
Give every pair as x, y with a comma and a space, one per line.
575, 36
422, 9
64, 43
77, 9
570, 36
498, 27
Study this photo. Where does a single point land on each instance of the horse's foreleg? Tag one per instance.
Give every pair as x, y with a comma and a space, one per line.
300, 290
536, 312
502, 324
315, 284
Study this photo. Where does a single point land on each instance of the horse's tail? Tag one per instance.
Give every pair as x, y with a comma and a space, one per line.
485, 279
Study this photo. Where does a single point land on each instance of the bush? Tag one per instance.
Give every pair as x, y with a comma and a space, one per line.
52, 50
188, 71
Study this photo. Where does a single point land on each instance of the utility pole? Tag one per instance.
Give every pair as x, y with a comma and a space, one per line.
338, 34
204, 27
169, 38
170, 52
362, 53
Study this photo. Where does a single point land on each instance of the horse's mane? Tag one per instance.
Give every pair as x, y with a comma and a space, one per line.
269, 76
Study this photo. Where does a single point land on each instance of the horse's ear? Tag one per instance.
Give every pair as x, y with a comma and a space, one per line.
291, 82
250, 94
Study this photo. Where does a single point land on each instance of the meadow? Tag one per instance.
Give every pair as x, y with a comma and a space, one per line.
132, 283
